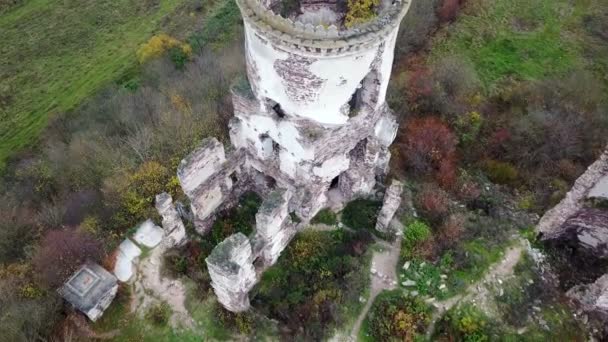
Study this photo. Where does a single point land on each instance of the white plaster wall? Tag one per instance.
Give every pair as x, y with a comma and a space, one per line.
332, 167
338, 76
282, 131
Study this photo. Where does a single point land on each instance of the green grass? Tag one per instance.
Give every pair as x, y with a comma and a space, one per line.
56, 53
525, 39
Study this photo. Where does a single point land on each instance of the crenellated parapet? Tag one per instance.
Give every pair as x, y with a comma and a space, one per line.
321, 39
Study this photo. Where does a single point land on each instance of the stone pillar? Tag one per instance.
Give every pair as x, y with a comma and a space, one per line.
172, 222
274, 226
391, 202
230, 266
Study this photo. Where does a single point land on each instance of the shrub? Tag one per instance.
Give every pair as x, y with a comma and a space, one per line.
433, 203
61, 252
360, 11
159, 314
429, 147
468, 127
240, 219
361, 214
325, 216
456, 85
501, 172
452, 229
159, 45
395, 317
419, 23
415, 234
314, 280
467, 323
448, 10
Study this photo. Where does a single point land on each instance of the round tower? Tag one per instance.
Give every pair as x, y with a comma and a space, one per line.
312, 114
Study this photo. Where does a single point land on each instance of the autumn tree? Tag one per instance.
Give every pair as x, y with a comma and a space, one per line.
428, 146
61, 252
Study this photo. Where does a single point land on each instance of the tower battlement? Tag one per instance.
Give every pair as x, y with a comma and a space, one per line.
329, 38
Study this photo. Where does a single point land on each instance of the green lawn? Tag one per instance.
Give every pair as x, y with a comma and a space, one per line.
55, 53
525, 39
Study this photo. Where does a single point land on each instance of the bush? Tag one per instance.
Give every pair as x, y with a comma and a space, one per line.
61, 252
240, 219
433, 203
448, 10
467, 323
395, 317
159, 314
159, 45
325, 216
309, 288
501, 172
360, 11
429, 147
361, 214
456, 85
416, 233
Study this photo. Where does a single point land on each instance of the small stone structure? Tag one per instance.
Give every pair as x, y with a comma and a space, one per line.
310, 118
390, 204
90, 290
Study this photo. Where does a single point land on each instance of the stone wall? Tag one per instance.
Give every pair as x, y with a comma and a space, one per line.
230, 266
207, 178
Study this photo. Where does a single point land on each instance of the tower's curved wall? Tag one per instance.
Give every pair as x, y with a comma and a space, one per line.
314, 72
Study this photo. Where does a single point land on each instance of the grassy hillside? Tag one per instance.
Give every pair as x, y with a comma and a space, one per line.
56, 53
525, 39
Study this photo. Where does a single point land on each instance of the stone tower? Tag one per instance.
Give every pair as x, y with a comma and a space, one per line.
311, 129
314, 116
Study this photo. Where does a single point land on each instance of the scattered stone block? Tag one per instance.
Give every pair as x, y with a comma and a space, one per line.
148, 234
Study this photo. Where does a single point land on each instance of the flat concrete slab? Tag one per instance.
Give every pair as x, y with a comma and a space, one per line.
148, 234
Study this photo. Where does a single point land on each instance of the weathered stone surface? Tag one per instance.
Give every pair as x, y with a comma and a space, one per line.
90, 290
148, 234
570, 205
232, 273
172, 222
587, 229
273, 225
390, 204
593, 298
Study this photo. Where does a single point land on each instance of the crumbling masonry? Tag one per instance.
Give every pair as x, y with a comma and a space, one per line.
311, 123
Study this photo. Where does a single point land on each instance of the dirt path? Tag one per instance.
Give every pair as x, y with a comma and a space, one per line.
480, 291
151, 288
383, 277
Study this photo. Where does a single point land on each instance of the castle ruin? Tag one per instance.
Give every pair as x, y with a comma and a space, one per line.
311, 129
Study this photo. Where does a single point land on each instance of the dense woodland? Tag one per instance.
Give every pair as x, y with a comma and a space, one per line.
502, 104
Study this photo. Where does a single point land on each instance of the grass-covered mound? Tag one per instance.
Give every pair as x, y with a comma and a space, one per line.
316, 283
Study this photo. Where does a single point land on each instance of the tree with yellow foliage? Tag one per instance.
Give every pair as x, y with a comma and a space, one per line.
159, 45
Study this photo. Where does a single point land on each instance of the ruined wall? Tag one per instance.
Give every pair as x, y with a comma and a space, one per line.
574, 199
390, 204
207, 178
